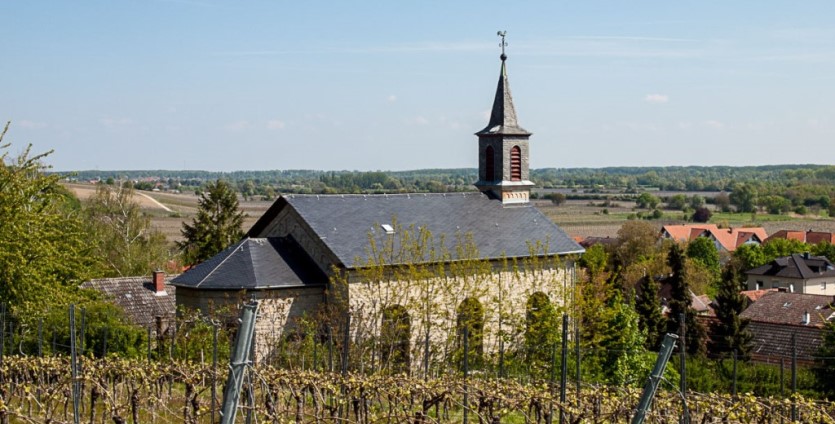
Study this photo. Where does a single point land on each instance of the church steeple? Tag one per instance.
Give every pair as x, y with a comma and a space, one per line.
503, 147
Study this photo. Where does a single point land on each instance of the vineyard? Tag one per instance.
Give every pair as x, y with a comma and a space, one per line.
120, 391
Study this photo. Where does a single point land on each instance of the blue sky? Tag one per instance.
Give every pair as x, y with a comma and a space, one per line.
393, 85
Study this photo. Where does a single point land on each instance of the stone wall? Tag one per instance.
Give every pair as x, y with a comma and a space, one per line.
279, 311
434, 302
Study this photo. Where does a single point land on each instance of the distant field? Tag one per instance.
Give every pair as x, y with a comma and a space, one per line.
578, 218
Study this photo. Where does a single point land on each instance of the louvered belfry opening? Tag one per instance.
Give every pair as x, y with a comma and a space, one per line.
489, 164
515, 164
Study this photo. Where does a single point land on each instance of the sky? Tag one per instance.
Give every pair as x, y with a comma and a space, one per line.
399, 85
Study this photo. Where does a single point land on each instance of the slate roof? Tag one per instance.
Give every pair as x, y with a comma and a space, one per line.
254, 264
777, 315
789, 308
136, 296
796, 266
344, 223
503, 116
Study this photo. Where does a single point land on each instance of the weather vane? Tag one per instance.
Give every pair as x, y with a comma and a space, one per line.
503, 44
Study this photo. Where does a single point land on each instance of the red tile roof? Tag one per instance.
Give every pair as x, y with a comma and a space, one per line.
728, 238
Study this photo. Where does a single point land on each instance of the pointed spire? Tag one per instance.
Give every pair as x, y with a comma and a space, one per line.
503, 117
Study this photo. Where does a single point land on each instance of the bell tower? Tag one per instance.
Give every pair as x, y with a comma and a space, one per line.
503, 148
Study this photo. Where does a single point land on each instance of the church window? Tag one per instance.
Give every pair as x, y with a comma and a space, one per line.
489, 164
471, 318
515, 164
395, 338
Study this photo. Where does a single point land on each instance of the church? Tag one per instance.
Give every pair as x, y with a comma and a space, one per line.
427, 259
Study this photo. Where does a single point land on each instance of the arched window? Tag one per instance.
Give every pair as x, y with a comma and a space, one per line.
489, 164
515, 164
395, 338
541, 329
471, 318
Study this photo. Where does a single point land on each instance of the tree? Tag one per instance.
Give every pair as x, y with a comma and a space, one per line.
824, 249
825, 362
636, 240
217, 224
701, 214
744, 197
722, 202
44, 254
697, 201
556, 198
677, 202
623, 345
703, 251
646, 201
648, 307
121, 234
681, 303
730, 332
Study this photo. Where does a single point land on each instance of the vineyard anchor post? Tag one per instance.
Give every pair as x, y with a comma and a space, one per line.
654, 378
238, 363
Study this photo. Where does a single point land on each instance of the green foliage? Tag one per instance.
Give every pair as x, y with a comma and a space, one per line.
556, 198
825, 364
542, 330
824, 249
744, 198
703, 251
681, 303
45, 253
782, 247
636, 241
471, 319
647, 201
216, 226
623, 346
648, 307
730, 333
677, 202
121, 235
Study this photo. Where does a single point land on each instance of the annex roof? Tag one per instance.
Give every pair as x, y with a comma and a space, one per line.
347, 224
810, 237
136, 296
253, 264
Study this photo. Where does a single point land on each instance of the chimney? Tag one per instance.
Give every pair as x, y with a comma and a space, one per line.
159, 282
806, 255
806, 318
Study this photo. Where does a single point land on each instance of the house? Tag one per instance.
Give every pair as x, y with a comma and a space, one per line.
148, 302
801, 273
725, 239
808, 237
353, 253
779, 316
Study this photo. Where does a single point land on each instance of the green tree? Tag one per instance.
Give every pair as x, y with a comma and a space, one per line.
648, 307
681, 303
722, 202
825, 362
824, 249
646, 201
783, 247
701, 214
703, 251
677, 202
121, 234
556, 198
541, 330
637, 240
730, 332
217, 225
744, 198
623, 345
44, 254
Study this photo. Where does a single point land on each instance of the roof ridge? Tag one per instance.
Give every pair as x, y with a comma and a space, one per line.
232, 251
382, 195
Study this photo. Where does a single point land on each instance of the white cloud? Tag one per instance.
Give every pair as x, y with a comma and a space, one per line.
275, 124
418, 120
115, 122
657, 98
237, 125
392, 98
714, 124
29, 124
